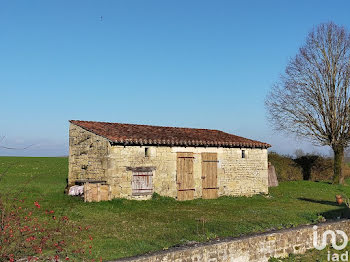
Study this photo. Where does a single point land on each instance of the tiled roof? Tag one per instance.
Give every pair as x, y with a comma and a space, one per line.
130, 134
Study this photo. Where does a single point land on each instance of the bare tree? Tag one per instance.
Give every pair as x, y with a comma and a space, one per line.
311, 100
299, 153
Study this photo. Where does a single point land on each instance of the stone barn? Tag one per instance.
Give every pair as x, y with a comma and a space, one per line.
184, 163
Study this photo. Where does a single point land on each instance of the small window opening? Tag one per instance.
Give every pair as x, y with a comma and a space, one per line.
243, 153
146, 152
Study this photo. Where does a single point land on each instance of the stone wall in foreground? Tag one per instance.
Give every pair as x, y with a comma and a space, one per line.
256, 248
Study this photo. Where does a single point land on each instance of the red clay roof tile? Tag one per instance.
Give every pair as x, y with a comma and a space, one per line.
130, 134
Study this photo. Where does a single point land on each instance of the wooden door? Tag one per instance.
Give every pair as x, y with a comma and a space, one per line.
209, 175
185, 181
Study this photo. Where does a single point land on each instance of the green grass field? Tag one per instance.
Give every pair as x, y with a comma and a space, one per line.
124, 228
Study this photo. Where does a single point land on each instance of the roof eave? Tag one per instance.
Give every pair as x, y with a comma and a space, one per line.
186, 144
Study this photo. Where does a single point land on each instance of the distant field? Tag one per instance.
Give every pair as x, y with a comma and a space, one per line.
124, 228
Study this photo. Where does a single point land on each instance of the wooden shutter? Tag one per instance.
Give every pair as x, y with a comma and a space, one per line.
96, 192
209, 175
142, 183
185, 180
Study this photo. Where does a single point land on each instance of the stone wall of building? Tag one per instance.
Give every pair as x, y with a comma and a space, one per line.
122, 159
256, 248
87, 155
92, 157
243, 176
236, 175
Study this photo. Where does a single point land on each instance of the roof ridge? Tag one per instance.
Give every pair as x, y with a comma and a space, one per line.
179, 127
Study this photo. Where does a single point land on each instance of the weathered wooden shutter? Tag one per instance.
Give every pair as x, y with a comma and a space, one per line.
96, 192
142, 183
209, 175
185, 180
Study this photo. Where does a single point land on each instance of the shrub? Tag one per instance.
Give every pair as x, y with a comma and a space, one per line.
322, 169
286, 168
29, 233
305, 167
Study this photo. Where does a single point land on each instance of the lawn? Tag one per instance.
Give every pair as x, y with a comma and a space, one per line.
124, 228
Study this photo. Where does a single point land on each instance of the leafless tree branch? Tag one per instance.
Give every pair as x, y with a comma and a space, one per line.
312, 98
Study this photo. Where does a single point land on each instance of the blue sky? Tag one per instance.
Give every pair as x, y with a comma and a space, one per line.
204, 64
